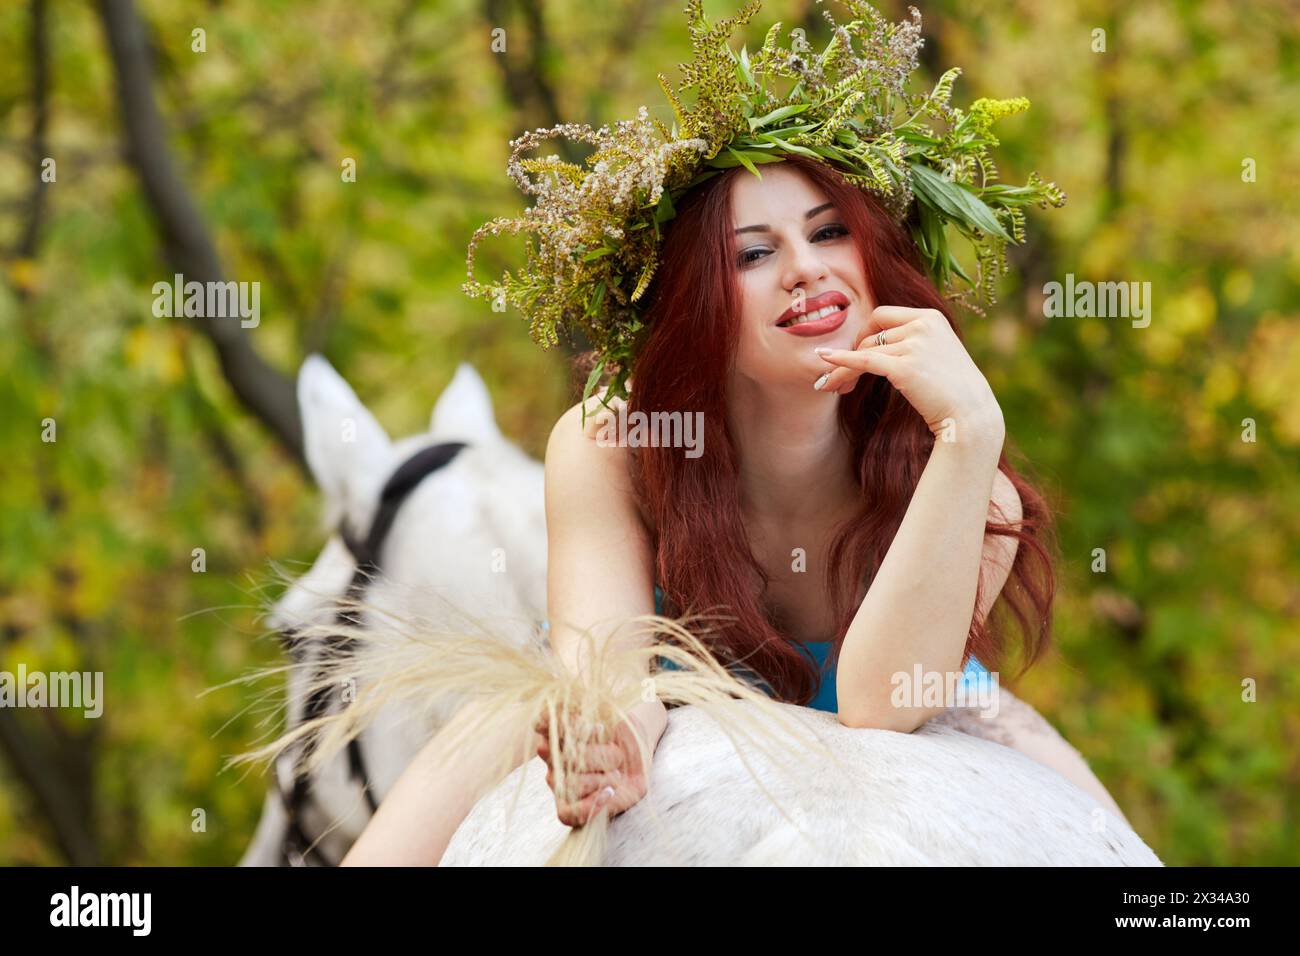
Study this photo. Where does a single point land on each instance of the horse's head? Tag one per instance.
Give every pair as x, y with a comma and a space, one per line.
467, 532
446, 528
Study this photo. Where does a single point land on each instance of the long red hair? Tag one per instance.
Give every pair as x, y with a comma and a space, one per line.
703, 559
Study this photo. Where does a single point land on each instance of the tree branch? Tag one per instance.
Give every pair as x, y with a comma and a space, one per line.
525, 78
264, 391
40, 53
56, 800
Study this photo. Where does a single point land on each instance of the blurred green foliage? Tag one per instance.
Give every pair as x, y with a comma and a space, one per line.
1136, 433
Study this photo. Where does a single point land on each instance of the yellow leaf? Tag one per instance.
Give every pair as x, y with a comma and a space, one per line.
24, 274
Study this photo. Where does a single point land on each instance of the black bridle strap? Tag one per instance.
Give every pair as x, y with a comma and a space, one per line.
403, 481
366, 553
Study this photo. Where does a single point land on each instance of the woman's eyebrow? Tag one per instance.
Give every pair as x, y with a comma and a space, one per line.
766, 228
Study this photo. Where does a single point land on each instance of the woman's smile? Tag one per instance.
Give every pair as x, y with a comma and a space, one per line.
820, 315
822, 322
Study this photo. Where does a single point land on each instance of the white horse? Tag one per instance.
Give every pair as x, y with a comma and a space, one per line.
469, 534
955, 792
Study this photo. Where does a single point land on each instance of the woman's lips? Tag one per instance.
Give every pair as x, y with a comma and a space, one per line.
820, 327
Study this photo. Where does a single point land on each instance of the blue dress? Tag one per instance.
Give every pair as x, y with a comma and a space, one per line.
826, 698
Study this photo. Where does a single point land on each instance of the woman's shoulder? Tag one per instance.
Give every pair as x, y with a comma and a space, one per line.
589, 424
581, 434
582, 456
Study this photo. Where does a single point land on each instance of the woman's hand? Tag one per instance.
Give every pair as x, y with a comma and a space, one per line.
922, 358
609, 773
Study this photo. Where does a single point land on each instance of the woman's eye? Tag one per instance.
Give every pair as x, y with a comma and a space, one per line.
835, 230
826, 232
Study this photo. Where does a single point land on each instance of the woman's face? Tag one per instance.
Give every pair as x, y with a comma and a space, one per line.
791, 266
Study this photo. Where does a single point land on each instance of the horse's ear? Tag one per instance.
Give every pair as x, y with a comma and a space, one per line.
346, 448
464, 410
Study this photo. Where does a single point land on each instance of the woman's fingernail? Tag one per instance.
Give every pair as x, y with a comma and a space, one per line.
821, 381
823, 350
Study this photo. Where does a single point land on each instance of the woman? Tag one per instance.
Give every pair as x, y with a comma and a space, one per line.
879, 464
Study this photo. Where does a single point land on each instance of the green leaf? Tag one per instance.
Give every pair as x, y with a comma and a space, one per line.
590, 387
664, 210
921, 136
837, 154
744, 158
929, 232
955, 266
745, 161
784, 131
955, 201
778, 114
597, 253
792, 147
744, 65
932, 239
593, 305
743, 76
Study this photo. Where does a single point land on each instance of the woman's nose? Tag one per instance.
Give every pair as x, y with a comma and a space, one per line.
803, 264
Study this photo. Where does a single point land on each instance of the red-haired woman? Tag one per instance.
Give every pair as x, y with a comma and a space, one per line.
852, 511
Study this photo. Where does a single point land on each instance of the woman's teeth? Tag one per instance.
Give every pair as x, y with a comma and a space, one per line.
812, 316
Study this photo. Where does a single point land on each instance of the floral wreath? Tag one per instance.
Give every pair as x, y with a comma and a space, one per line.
595, 232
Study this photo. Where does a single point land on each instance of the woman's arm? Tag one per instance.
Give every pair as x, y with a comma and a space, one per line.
600, 561
921, 602
432, 797
918, 609
599, 574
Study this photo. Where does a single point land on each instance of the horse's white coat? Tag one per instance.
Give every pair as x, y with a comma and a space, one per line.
938, 796
946, 794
